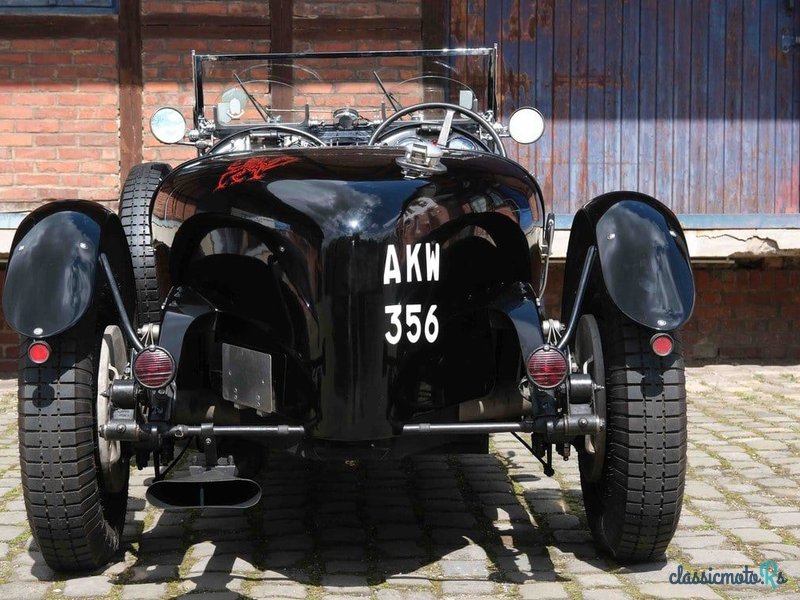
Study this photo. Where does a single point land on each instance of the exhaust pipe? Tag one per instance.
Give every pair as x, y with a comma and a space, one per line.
210, 489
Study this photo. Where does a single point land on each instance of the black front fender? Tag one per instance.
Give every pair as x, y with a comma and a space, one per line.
52, 272
644, 262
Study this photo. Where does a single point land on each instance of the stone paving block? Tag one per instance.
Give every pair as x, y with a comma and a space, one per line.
594, 580
278, 590
785, 519
10, 532
669, 591
30, 566
27, 590
469, 552
543, 590
229, 595
10, 517
345, 584
714, 558
410, 580
468, 588
604, 594
400, 548
755, 535
464, 568
346, 566
87, 587
392, 594
144, 591
730, 522
154, 573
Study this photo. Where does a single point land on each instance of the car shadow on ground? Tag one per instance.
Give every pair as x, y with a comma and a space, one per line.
474, 519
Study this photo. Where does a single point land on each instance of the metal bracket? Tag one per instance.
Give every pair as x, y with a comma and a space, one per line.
209, 444
788, 42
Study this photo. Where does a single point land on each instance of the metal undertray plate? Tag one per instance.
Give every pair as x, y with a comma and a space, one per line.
247, 378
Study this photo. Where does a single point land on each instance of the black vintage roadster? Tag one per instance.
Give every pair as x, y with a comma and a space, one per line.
350, 269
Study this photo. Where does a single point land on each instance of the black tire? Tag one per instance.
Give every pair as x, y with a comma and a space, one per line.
75, 522
134, 212
633, 510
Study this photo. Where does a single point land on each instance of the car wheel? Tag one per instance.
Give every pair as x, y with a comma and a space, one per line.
134, 212
634, 505
75, 499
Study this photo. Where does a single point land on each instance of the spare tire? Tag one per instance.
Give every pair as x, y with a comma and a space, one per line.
134, 211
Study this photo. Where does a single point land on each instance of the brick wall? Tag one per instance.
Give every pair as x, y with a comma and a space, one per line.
59, 131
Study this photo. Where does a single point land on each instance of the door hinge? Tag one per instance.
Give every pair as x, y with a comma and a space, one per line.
788, 42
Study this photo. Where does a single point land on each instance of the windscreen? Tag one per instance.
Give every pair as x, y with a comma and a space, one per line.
247, 90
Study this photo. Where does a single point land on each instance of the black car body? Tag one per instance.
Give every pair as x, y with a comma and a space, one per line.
352, 286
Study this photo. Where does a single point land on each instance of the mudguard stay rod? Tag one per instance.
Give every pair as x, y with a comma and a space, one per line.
120, 305
588, 262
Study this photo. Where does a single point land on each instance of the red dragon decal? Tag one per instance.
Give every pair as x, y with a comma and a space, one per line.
252, 169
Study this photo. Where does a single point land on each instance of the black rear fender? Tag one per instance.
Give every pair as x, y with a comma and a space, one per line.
52, 276
644, 266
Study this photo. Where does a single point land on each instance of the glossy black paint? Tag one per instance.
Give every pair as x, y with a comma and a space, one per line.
644, 262
52, 272
290, 250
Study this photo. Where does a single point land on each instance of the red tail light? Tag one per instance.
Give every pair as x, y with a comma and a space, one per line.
662, 344
39, 352
547, 367
153, 367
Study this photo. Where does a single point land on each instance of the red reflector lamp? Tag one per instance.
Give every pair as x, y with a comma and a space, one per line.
153, 367
662, 344
547, 367
39, 352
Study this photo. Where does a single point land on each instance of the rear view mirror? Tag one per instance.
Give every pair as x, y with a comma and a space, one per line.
526, 125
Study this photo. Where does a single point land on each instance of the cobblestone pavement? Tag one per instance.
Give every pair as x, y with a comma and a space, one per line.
454, 527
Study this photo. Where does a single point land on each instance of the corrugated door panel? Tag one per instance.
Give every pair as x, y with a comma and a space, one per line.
595, 99
786, 194
611, 117
543, 31
749, 132
690, 100
682, 106
765, 161
698, 110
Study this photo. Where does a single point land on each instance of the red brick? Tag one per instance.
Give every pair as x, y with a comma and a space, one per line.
37, 126
15, 139
35, 153
35, 45
57, 166
77, 45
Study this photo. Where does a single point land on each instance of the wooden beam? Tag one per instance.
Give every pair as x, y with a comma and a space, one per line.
181, 25
435, 18
377, 28
21, 27
129, 51
435, 24
281, 15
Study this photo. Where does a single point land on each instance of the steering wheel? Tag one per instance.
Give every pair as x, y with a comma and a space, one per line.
450, 108
281, 129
